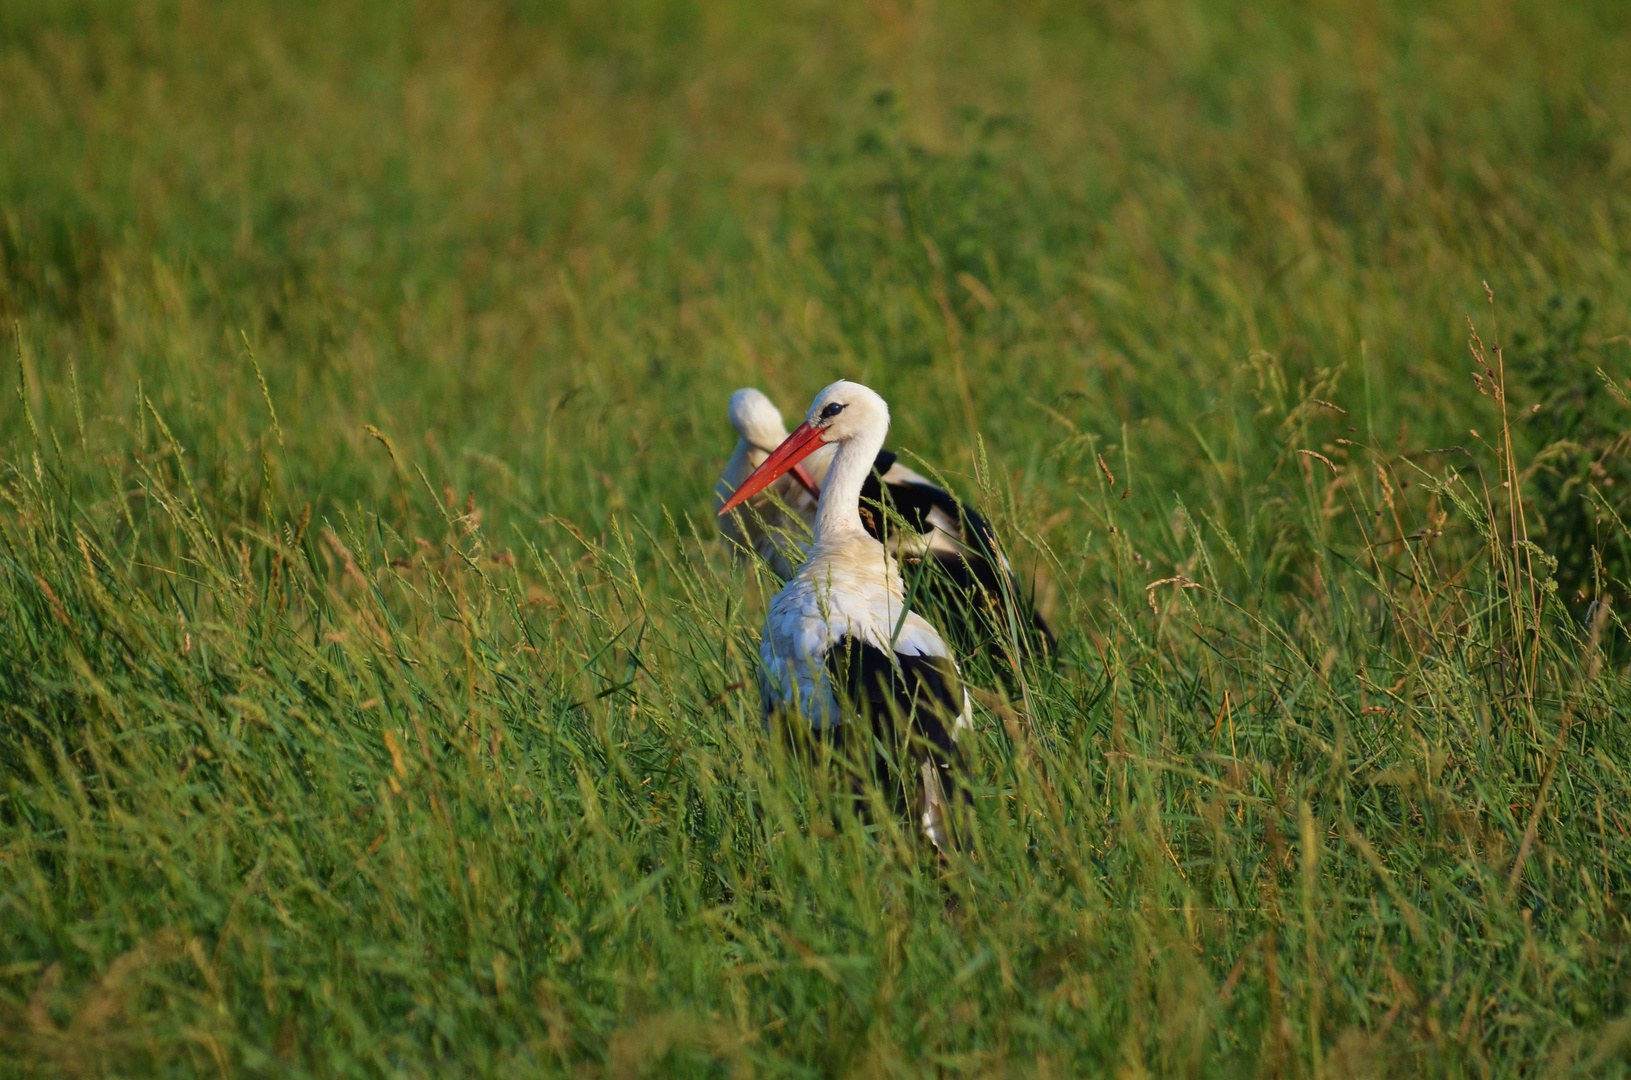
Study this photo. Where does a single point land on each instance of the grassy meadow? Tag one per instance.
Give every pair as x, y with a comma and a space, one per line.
376, 698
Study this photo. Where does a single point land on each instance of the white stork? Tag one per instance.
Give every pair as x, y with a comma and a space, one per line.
839, 631
973, 577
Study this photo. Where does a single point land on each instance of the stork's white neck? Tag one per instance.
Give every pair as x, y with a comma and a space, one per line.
839, 513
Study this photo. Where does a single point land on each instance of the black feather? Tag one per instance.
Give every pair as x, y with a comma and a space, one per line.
964, 593
904, 708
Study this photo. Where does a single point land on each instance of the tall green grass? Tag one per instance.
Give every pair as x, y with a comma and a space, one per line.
377, 699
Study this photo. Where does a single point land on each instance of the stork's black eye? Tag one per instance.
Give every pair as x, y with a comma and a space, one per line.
832, 410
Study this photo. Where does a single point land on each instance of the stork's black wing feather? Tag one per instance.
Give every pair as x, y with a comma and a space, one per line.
970, 584
915, 502
923, 690
908, 703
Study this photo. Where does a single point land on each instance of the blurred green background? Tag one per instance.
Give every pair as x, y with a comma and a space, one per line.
378, 701
560, 234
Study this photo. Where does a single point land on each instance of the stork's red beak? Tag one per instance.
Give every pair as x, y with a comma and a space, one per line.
804, 441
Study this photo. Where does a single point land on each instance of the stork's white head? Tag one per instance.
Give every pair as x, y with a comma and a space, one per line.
847, 409
842, 412
756, 419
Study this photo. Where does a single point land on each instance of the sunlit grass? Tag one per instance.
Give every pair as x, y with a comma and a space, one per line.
378, 700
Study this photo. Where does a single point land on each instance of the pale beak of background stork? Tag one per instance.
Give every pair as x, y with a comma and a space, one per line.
802, 475
804, 441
